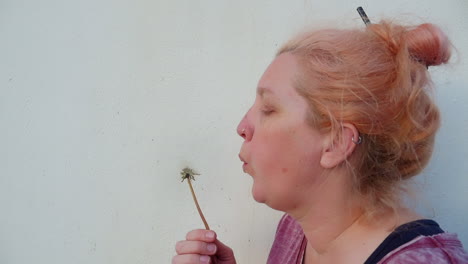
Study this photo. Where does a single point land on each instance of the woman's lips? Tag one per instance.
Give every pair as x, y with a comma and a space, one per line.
244, 165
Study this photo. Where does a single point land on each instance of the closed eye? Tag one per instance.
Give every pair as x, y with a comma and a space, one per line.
267, 111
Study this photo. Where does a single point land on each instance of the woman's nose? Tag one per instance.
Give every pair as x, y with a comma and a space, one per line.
245, 129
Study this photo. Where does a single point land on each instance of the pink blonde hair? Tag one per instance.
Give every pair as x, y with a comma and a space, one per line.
375, 78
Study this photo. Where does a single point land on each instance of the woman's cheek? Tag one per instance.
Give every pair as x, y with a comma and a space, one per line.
273, 152
268, 160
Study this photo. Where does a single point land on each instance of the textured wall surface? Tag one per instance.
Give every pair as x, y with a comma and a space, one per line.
103, 102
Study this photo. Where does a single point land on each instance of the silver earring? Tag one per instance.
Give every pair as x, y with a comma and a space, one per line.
359, 141
243, 131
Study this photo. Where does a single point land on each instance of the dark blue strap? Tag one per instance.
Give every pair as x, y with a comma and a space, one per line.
402, 235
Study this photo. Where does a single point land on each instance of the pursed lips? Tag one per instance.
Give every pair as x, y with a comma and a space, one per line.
245, 163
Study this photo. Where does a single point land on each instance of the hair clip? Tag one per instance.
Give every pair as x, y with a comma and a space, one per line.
363, 16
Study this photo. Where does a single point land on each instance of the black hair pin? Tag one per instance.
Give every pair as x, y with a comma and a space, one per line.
363, 16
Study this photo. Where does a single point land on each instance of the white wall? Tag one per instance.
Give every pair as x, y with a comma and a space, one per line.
103, 102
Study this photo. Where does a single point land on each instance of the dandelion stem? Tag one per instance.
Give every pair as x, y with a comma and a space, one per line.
196, 203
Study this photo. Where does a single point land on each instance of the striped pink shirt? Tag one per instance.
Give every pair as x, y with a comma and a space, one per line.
445, 248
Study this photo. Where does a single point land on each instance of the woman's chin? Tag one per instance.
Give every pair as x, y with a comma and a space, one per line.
274, 203
258, 196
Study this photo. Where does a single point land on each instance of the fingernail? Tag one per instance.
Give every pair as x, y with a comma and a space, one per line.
210, 234
211, 248
205, 259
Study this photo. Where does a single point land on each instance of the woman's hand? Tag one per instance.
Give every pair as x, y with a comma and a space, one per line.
202, 247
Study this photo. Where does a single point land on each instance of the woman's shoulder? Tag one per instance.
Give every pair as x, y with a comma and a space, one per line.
288, 224
441, 248
288, 230
289, 244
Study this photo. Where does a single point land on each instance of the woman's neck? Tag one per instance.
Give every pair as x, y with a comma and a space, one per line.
324, 226
337, 234
328, 211
335, 225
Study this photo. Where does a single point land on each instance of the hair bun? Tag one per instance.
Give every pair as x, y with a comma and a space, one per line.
428, 45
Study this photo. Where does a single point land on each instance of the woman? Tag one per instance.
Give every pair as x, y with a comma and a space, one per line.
342, 119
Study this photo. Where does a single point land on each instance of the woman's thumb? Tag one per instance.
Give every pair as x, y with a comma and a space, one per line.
224, 253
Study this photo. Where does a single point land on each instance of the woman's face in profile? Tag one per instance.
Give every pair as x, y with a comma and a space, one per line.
281, 151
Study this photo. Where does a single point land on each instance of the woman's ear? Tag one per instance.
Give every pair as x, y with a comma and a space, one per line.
338, 148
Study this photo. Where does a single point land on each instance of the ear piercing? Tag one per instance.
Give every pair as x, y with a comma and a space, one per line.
359, 141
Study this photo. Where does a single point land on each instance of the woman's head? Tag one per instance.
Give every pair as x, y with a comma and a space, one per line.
376, 80
328, 88
281, 151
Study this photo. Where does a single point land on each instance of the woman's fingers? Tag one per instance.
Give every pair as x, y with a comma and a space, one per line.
191, 259
199, 246
224, 253
195, 247
201, 235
